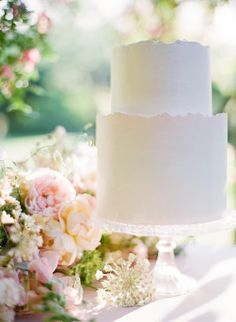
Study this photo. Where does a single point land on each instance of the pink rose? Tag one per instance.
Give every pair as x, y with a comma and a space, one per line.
45, 265
48, 191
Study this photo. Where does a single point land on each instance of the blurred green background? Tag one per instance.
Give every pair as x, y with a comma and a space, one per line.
83, 34
76, 85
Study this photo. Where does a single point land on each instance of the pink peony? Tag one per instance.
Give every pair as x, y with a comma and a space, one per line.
48, 190
45, 265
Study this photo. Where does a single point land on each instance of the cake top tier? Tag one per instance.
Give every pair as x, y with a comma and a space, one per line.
151, 77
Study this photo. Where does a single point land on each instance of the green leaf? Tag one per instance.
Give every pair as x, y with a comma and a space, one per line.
20, 106
8, 207
37, 90
107, 244
55, 306
3, 237
90, 262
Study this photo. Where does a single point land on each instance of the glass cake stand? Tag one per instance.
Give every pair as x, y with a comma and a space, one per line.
169, 280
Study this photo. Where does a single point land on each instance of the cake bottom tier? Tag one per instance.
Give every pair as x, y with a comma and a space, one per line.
161, 169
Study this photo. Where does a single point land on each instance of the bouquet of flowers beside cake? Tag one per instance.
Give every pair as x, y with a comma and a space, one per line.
50, 244
45, 228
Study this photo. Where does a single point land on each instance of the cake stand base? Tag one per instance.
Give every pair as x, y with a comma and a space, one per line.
169, 280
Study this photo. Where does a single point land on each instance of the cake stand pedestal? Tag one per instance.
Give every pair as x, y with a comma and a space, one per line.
169, 280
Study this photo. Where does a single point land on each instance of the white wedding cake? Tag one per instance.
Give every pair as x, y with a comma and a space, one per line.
161, 152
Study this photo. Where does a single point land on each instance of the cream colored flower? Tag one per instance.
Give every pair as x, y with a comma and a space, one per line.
6, 219
84, 168
77, 220
75, 230
25, 233
9, 288
66, 246
127, 283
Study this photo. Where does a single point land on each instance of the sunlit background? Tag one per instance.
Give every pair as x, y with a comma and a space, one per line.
75, 82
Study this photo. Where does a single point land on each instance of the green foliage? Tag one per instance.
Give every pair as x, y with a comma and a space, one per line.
108, 245
17, 194
2, 171
55, 305
90, 262
21, 45
7, 207
214, 3
3, 238
172, 4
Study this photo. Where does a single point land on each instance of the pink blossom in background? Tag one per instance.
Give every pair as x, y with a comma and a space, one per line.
31, 58
6, 72
43, 24
48, 191
32, 55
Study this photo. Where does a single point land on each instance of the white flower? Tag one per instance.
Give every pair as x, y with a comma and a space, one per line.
26, 235
10, 294
99, 275
2, 201
7, 314
127, 283
6, 219
83, 168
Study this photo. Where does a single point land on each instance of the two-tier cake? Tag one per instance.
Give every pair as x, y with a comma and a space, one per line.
161, 152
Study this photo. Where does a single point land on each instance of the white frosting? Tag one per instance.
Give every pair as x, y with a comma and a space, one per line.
162, 169
162, 158
150, 78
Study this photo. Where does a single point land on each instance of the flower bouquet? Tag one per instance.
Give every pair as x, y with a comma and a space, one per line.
50, 245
